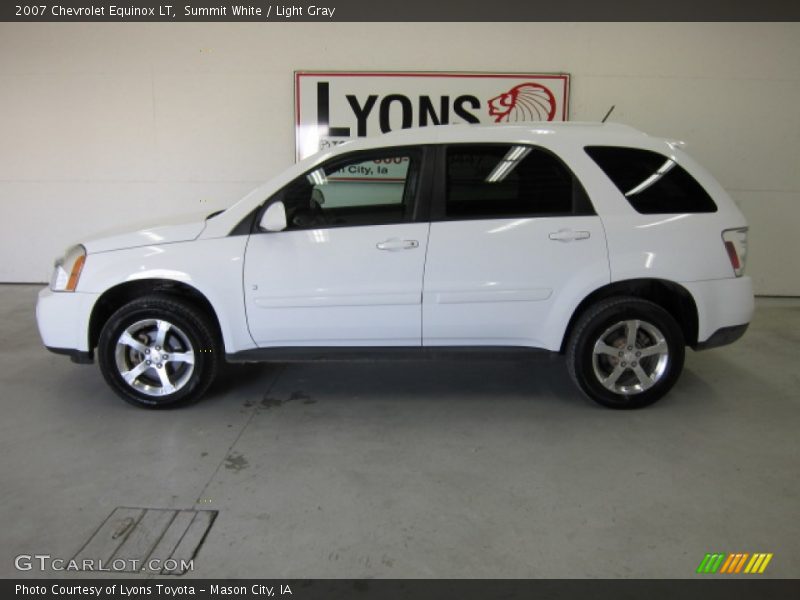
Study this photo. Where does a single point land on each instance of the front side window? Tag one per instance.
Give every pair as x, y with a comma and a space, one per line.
364, 189
502, 181
651, 182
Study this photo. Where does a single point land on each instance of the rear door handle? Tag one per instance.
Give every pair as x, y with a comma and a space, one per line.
569, 235
393, 244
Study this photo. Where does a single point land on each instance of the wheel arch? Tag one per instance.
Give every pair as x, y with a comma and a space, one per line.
117, 296
671, 296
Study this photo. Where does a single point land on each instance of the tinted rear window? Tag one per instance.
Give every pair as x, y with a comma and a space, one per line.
502, 181
651, 182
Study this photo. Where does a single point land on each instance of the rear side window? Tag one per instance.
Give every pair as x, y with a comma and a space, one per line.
500, 181
652, 183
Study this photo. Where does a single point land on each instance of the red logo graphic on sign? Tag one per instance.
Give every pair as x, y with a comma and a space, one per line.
525, 102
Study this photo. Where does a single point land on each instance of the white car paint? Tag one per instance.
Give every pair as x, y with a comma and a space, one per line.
500, 282
178, 229
335, 287
496, 282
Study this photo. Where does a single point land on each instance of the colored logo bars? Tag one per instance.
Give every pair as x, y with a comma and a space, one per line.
735, 563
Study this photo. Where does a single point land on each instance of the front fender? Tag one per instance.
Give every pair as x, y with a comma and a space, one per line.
213, 267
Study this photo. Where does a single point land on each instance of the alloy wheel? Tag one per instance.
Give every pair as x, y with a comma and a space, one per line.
630, 357
155, 357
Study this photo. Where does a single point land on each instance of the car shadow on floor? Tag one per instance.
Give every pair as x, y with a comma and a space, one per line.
542, 379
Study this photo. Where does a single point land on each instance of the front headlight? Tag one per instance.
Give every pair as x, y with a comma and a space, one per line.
68, 270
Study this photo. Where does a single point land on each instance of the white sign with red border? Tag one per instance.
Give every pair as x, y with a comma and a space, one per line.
333, 106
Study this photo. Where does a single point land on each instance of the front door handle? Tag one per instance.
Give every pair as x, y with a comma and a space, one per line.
569, 235
393, 244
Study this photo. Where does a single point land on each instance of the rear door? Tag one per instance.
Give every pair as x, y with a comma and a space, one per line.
514, 240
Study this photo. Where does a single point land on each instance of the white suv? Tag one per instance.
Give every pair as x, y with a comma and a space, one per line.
596, 241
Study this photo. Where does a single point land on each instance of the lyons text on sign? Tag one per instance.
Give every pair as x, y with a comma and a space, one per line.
332, 107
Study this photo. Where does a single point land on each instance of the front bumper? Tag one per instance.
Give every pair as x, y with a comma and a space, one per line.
80, 357
63, 320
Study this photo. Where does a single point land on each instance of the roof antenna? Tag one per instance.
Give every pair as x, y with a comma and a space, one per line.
608, 114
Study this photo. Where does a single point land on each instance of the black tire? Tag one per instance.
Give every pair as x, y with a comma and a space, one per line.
613, 372
189, 336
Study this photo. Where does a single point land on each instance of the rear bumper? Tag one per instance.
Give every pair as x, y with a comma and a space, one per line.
722, 337
724, 309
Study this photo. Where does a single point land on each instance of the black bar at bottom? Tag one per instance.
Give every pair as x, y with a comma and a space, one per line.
702, 587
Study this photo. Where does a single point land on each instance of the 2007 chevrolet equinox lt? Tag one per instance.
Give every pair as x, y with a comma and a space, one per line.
599, 242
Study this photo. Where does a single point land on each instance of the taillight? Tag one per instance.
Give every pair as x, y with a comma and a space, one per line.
735, 241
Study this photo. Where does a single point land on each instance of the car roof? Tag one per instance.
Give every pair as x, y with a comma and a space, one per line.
530, 132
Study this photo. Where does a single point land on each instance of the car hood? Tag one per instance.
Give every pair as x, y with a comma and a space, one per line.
167, 231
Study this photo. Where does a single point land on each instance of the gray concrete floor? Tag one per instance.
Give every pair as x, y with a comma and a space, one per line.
428, 469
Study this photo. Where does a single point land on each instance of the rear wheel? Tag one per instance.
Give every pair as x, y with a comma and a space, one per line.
158, 351
625, 352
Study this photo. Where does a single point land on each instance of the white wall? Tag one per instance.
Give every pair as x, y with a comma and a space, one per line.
105, 124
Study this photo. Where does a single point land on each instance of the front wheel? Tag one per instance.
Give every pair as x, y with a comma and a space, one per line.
625, 352
158, 351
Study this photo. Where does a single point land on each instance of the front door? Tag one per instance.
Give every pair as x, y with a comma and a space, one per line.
347, 271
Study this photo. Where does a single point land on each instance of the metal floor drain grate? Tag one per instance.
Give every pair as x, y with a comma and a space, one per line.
150, 540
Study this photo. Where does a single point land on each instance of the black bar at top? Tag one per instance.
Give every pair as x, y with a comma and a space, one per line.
404, 10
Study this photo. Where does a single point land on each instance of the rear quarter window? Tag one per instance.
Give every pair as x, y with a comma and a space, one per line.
651, 182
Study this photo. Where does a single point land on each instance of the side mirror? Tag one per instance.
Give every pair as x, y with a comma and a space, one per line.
317, 196
274, 218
